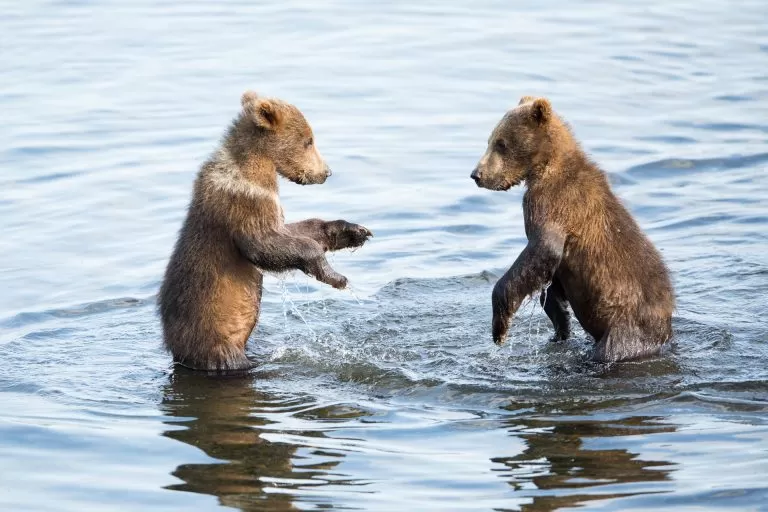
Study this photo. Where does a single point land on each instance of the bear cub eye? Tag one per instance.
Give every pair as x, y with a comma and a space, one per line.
500, 146
309, 143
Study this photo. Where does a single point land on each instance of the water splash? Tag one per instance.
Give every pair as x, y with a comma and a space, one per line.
289, 306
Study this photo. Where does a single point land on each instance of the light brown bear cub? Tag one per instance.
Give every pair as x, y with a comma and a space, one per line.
581, 240
234, 231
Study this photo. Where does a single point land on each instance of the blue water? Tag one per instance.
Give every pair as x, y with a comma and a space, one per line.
390, 396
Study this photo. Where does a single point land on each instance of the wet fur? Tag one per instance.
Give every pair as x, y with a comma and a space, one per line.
210, 298
582, 240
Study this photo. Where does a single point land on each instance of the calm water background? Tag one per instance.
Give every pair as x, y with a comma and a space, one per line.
391, 396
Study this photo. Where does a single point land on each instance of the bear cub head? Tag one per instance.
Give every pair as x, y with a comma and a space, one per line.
283, 136
521, 144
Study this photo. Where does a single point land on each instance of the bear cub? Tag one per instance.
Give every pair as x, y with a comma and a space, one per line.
581, 241
234, 231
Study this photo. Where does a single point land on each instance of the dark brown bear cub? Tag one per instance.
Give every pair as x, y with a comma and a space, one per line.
234, 231
581, 240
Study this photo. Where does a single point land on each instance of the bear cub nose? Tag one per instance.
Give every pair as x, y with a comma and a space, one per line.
328, 172
475, 174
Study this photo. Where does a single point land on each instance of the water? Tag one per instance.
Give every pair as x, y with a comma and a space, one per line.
392, 396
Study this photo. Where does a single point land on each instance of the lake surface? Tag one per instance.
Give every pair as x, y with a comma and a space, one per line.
390, 396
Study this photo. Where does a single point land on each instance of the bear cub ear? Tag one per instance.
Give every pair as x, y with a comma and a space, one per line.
526, 99
264, 112
541, 110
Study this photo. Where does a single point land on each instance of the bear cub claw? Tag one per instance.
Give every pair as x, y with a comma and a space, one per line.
559, 336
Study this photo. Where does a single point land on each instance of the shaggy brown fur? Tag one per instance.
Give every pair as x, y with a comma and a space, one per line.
234, 231
580, 239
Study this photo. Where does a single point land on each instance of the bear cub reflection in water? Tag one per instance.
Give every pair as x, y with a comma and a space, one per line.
234, 231
581, 241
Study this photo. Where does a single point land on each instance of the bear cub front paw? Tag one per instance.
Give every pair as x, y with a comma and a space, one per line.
342, 234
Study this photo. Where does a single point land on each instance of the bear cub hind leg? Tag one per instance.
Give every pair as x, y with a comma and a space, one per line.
622, 343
